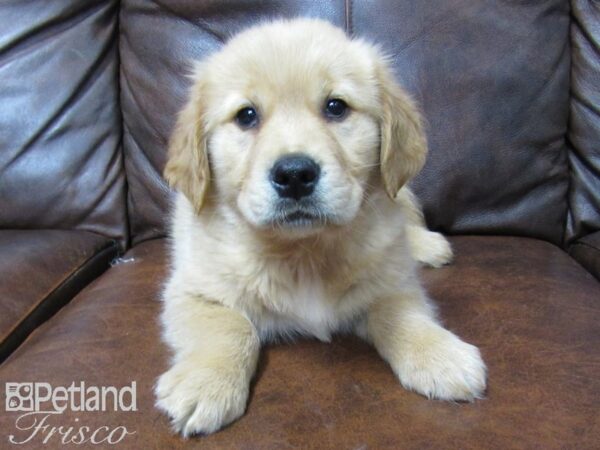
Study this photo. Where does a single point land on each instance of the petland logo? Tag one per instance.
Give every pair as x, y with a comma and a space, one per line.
38, 402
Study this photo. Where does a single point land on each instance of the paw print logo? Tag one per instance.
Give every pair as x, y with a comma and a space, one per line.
19, 397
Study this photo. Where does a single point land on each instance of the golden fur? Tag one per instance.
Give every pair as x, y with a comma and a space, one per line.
240, 276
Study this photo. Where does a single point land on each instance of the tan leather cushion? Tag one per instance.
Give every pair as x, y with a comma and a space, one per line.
533, 311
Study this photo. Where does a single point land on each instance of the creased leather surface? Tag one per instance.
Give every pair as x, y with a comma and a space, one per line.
60, 126
532, 310
496, 106
584, 126
587, 251
158, 40
34, 266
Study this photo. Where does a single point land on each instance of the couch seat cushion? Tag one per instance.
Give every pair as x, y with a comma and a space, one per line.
40, 271
534, 312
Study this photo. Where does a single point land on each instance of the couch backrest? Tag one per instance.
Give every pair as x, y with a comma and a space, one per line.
60, 125
584, 121
492, 79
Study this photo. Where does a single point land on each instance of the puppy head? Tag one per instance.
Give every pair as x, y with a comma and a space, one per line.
300, 124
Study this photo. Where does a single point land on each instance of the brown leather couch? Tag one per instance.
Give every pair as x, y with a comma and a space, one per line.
511, 92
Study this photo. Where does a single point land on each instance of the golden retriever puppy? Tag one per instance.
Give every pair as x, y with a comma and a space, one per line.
290, 159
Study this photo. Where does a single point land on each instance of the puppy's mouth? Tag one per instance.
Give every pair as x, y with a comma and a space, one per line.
299, 218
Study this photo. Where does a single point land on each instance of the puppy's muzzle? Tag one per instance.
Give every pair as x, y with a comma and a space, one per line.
295, 176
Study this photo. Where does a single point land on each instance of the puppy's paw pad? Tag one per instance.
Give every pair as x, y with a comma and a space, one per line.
200, 400
444, 368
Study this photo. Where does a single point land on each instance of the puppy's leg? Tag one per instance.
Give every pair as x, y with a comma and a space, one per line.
427, 247
216, 350
426, 357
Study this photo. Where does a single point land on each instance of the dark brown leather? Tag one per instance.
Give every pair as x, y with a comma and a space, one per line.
532, 309
496, 108
60, 156
40, 271
587, 251
154, 84
584, 123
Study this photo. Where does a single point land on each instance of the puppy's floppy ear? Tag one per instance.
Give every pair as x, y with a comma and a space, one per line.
187, 168
403, 142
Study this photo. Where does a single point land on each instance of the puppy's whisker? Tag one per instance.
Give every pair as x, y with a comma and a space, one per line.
368, 201
366, 166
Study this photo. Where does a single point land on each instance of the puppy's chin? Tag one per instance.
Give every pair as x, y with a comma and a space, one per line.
299, 223
290, 225
295, 223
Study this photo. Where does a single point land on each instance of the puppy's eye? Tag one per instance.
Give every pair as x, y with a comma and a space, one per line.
335, 108
247, 117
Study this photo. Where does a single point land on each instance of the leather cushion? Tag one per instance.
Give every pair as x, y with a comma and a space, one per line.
41, 270
584, 121
531, 309
60, 158
496, 108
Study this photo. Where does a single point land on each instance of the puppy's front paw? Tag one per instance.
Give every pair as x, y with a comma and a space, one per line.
428, 247
200, 399
439, 365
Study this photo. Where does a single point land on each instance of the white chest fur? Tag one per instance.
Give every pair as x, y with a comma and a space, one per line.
304, 307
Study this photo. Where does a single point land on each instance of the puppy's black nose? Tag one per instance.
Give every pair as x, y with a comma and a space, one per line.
295, 176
